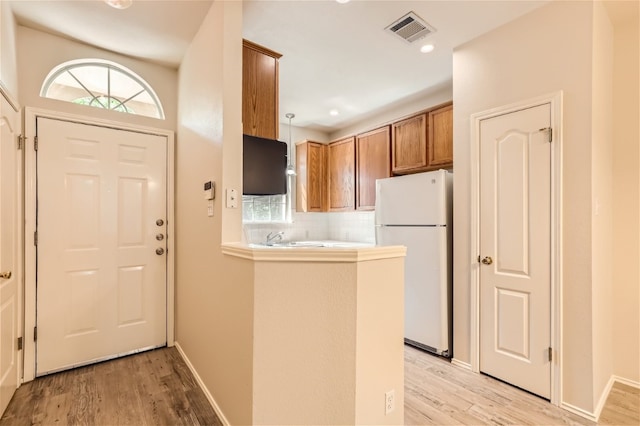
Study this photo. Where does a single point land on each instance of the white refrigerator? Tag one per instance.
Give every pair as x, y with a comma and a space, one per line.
416, 211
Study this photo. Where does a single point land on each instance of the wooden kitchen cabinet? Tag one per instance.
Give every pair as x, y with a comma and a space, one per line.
341, 175
373, 161
423, 142
259, 90
409, 144
311, 177
440, 138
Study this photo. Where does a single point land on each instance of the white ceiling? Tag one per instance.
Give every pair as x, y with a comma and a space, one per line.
335, 56
338, 56
156, 30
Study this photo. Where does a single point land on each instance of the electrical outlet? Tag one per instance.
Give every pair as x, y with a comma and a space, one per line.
389, 401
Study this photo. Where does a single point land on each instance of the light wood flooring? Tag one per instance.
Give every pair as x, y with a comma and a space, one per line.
437, 392
149, 388
157, 388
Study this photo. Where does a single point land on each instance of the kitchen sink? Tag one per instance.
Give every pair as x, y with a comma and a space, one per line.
312, 244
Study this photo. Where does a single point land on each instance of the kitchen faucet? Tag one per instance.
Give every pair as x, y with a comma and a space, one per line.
274, 238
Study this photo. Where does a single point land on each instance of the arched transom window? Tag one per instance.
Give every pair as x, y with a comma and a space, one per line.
102, 84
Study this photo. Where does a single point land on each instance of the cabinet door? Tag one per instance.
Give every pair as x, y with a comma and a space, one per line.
409, 144
259, 91
341, 175
441, 137
373, 161
311, 177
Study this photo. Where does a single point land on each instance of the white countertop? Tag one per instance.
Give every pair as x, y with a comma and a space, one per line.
313, 251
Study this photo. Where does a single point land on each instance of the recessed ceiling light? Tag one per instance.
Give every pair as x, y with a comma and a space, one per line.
119, 4
343, 1
334, 112
427, 48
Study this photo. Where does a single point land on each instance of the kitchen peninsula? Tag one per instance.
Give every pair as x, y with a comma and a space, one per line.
327, 332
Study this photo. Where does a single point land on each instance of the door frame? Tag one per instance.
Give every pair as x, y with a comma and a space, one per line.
555, 99
30, 193
19, 266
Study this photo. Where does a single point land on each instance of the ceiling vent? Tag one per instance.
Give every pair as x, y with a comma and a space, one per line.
410, 28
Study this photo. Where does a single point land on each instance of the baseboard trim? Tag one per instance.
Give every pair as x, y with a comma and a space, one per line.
578, 411
626, 381
212, 401
603, 397
461, 364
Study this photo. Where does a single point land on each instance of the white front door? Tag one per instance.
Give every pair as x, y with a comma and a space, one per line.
101, 263
515, 248
9, 233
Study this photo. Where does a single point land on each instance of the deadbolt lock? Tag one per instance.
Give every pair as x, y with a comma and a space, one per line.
159, 222
159, 251
159, 237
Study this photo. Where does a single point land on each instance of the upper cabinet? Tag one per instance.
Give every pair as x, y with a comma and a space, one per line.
441, 137
373, 162
311, 177
423, 142
409, 144
341, 175
259, 90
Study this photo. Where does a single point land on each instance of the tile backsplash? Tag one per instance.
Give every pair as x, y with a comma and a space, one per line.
348, 226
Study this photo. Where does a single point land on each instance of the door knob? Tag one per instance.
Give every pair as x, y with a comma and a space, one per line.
159, 251
5, 275
159, 222
487, 260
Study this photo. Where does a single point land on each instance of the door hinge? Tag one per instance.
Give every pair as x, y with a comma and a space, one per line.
35, 238
549, 131
35, 143
550, 354
35, 334
19, 343
21, 141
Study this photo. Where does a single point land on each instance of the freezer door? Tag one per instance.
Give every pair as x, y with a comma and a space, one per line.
427, 286
418, 199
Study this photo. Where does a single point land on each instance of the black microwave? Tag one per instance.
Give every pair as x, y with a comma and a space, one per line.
264, 163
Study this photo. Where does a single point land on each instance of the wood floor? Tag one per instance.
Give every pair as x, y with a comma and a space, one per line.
157, 388
437, 392
149, 388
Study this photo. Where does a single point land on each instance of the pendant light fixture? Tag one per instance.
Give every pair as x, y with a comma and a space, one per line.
291, 170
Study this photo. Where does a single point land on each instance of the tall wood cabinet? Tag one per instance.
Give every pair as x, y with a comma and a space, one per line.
373, 161
259, 90
311, 177
341, 175
423, 142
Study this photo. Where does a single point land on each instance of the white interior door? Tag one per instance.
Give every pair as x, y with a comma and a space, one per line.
515, 247
101, 263
9, 229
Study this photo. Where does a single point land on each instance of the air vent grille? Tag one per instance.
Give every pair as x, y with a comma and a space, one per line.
410, 27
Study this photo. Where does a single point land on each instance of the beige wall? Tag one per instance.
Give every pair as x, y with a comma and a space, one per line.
8, 61
214, 293
602, 203
39, 53
441, 94
380, 341
539, 53
626, 198
323, 353
304, 355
